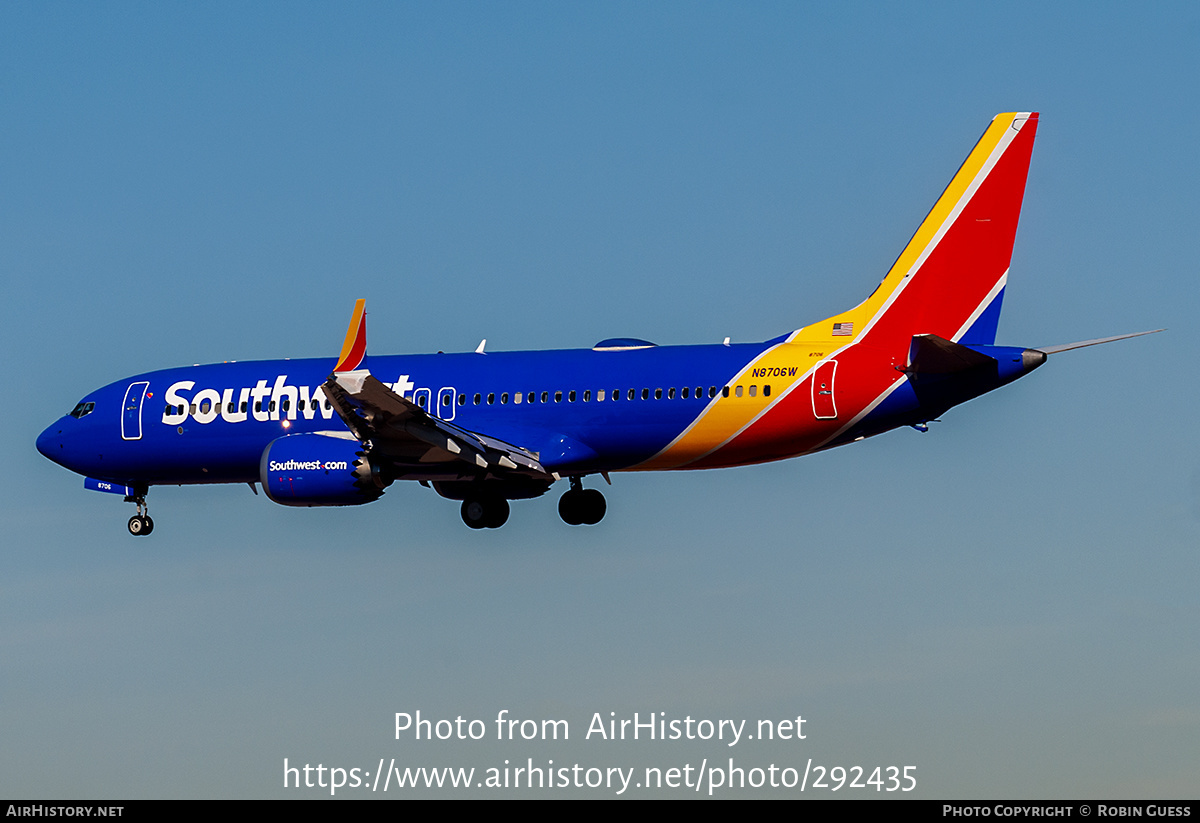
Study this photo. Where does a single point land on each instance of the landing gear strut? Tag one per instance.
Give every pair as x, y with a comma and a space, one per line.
579, 506
140, 524
485, 512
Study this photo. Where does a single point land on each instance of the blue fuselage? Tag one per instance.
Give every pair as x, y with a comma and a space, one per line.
586, 409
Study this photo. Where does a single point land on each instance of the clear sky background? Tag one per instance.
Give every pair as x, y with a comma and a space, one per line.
1007, 603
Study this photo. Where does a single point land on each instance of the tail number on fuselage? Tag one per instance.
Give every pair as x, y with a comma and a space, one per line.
775, 371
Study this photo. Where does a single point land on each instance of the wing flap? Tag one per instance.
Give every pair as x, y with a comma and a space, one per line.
409, 436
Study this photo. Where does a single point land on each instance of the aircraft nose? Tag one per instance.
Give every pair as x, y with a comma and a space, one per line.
50, 442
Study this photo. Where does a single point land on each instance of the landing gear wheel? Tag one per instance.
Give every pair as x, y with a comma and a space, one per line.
593, 506
140, 524
474, 513
485, 512
569, 509
581, 506
497, 513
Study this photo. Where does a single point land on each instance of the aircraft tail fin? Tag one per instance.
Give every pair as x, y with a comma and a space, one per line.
949, 280
354, 349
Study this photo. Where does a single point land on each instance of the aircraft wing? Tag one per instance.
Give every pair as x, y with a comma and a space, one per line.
409, 436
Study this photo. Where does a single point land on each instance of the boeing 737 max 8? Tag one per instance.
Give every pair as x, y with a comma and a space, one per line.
485, 428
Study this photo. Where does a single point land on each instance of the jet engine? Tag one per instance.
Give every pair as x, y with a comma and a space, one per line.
319, 470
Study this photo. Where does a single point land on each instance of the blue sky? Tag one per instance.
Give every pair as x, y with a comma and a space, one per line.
1006, 603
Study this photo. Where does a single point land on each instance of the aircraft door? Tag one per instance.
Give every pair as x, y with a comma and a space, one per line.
445, 406
824, 407
131, 411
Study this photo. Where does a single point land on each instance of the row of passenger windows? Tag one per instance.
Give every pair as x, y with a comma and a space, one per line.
685, 393
232, 408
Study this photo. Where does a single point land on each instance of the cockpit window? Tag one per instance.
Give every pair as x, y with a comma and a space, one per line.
83, 410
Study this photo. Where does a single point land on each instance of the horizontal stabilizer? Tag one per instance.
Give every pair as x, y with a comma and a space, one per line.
1096, 342
930, 354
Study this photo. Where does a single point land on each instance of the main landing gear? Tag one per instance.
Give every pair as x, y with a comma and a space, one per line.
579, 506
489, 510
140, 524
485, 512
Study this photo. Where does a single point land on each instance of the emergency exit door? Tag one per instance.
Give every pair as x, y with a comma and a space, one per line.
824, 407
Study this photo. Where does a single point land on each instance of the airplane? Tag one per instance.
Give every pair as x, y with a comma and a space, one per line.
486, 428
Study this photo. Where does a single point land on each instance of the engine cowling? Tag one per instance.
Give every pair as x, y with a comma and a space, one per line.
319, 470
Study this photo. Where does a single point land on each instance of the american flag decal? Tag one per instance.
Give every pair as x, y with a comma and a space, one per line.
843, 329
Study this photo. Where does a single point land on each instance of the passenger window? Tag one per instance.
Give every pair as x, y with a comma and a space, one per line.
587, 395
491, 397
504, 399
244, 404
571, 396
753, 391
684, 393
558, 397
658, 394
671, 393
767, 390
738, 391
462, 400
478, 398
599, 395
517, 398
631, 393
724, 391
545, 397
645, 394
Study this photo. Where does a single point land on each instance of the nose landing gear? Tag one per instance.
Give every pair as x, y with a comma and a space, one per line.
140, 524
579, 506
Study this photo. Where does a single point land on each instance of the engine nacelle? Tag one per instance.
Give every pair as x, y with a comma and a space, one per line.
319, 470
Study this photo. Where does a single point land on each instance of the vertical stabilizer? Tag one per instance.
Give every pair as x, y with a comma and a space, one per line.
949, 280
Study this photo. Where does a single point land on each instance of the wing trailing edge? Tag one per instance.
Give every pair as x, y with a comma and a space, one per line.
415, 442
